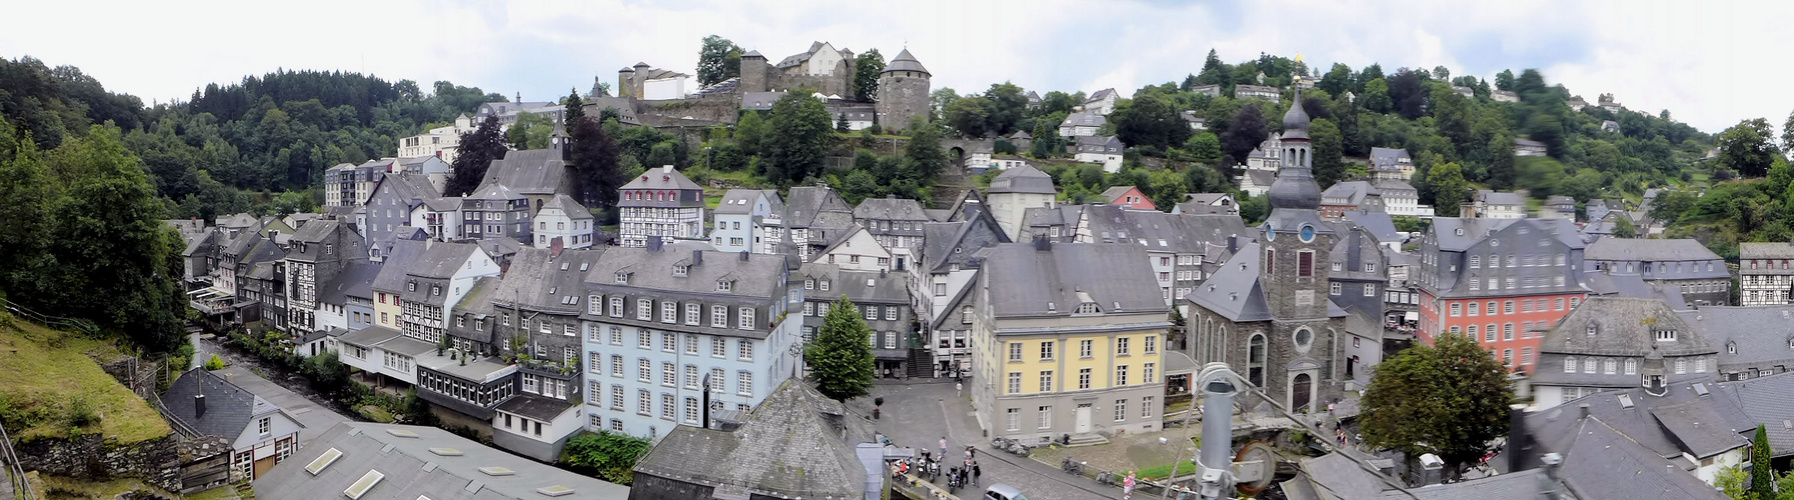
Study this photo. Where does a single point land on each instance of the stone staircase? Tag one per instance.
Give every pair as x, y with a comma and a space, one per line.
1087, 439
921, 363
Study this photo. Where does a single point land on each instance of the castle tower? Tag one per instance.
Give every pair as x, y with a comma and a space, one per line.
1293, 273
625, 82
753, 72
638, 80
902, 92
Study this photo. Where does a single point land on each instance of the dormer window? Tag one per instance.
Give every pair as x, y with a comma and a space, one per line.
1593, 329
1088, 308
435, 290
623, 278
824, 285
810, 284
725, 285
680, 270
411, 287
1666, 335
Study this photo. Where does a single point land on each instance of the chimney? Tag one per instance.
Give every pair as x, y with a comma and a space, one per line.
1519, 438
1042, 244
697, 258
199, 406
1582, 410
519, 98
654, 243
555, 246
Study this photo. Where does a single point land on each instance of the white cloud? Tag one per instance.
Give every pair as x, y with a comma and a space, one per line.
1711, 64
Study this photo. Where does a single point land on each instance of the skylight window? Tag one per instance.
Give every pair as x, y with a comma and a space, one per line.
497, 471
447, 452
555, 491
317, 465
402, 433
364, 484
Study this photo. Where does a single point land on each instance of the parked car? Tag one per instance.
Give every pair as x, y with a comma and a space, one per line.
1002, 491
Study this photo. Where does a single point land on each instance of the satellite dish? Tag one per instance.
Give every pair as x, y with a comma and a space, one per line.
1254, 467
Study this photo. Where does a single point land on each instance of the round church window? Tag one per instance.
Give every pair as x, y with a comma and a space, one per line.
1307, 233
1304, 338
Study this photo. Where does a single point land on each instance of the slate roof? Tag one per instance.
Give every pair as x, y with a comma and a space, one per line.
890, 208
1622, 330
477, 304
392, 277
1116, 192
1500, 198
1114, 276
416, 467
440, 260
1083, 119
1101, 94
1774, 250
905, 62
795, 444
572, 208
1633, 286
1159, 231
410, 188
1394, 187
1444, 231
530, 172
816, 206
540, 281
887, 288
760, 100
1261, 178
1099, 144
1380, 224
1233, 290
228, 408
757, 276
536, 407
1698, 428
355, 280
741, 201
662, 177
1023, 179
1653, 250
1762, 335
1348, 193
1603, 463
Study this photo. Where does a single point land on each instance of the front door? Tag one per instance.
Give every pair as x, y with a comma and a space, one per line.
1083, 418
1298, 392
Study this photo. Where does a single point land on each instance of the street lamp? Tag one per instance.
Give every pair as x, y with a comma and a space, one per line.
1166, 490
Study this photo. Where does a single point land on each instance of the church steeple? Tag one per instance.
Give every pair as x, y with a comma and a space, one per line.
1295, 187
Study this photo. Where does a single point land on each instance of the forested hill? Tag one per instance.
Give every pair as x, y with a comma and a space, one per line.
267, 134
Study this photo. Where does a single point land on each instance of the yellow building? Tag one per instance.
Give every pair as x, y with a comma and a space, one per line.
1067, 340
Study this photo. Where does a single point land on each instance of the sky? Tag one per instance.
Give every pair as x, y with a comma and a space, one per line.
1706, 62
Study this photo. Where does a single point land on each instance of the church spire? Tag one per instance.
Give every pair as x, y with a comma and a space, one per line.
1295, 187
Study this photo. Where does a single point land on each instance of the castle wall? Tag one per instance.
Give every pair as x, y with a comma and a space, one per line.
901, 95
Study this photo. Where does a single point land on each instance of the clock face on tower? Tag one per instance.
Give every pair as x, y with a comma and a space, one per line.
1307, 233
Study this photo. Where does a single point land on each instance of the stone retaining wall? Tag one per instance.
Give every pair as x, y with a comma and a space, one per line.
91, 457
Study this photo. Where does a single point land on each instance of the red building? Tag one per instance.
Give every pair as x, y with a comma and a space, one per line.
1503, 282
1129, 196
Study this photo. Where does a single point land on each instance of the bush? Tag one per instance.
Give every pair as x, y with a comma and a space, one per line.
605, 455
81, 414
215, 363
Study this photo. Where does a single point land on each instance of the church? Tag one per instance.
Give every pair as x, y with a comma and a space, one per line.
1266, 312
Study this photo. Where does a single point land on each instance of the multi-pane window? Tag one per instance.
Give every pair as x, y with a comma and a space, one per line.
1046, 381
644, 309
1152, 344
1120, 375
644, 402
691, 377
744, 383
1120, 410
1046, 350
747, 319
616, 307
1015, 351
691, 410
1015, 382
644, 339
644, 370
1012, 419
669, 312
744, 349
1146, 407
1083, 378
719, 316
692, 313
1121, 347
616, 398
1044, 417
616, 366
594, 363
666, 406
669, 374
691, 344
1305, 263
1085, 347
890, 313
669, 341
1147, 371
719, 347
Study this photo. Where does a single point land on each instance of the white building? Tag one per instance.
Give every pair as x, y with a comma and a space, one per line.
439, 142
1082, 124
1016, 190
1104, 150
740, 220
565, 220
660, 203
1399, 197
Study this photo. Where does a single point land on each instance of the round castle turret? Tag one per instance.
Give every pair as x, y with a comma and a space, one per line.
902, 92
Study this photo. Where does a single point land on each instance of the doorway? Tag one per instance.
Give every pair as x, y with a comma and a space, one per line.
1298, 392
1084, 411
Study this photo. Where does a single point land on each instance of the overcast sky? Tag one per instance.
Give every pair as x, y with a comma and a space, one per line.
1710, 63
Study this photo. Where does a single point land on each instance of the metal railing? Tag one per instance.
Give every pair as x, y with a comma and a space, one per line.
14, 470
57, 322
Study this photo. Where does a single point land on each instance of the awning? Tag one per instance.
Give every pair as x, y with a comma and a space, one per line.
1411, 316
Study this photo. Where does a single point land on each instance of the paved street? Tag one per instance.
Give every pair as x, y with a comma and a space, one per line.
315, 417
916, 415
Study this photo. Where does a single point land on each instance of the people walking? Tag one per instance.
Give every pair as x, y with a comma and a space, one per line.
976, 471
943, 447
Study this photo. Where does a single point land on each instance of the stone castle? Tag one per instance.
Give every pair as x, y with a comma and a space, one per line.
903, 85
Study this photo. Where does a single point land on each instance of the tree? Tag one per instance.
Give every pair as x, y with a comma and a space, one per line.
1337, 80
1006, 103
1762, 476
1407, 93
1149, 120
476, 152
1205, 146
597, 163
1787, 131
970, 116
1747, 147
750, 132
866, 68
718, 59
529, 132
841, 124
1623, 227
1504, 80
924, 154
606, 455
1734, 482
797, 138
1213, 70
1450, 398
1329, 153
840, 358
1376, 96
1442, 74
576, 107
1449, 188
1046, 140
1245, 132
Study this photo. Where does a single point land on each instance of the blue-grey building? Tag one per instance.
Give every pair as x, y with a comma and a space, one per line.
661, 323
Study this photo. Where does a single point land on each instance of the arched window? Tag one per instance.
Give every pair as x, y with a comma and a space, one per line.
1255, 360
1569, 364
1476, 261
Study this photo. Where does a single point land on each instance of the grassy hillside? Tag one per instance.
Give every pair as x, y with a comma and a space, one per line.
51, 386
